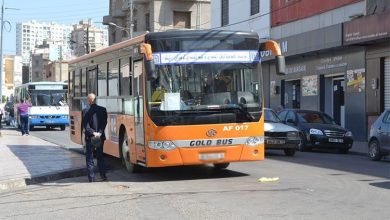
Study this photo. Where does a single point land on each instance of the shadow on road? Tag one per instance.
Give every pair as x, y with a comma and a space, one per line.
330, 159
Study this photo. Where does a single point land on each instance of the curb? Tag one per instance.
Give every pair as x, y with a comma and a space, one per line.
53, 176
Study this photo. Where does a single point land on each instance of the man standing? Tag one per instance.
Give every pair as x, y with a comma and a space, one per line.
2, 112
23, 116
94, 121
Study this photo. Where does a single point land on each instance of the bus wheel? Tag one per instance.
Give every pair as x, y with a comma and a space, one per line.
125, 156
62, 127
31, 127
221, 165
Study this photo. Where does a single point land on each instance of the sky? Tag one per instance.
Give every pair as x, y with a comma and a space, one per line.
62, 12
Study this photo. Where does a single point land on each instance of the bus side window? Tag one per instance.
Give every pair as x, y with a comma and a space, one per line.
125, 74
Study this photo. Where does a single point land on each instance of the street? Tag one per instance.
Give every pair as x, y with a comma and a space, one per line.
312, 185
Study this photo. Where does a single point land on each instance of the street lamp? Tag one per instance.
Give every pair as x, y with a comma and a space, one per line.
1, 49
128, 30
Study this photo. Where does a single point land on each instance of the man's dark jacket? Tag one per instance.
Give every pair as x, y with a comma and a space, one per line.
94, 119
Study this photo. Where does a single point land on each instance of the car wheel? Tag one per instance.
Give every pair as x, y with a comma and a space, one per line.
221, 165
374, 150
289, 152
302, 145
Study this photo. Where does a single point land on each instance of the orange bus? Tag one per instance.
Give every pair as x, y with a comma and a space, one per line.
176, 98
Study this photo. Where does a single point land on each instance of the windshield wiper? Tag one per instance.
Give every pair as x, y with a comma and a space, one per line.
243, 111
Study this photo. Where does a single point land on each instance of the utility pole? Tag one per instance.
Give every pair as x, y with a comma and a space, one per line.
131, 19
1, 53
1, 50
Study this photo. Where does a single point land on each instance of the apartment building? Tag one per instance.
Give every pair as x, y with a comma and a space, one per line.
87, 38
29, 34
130, 18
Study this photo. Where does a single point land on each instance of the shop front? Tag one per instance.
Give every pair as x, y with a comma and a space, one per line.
321, 75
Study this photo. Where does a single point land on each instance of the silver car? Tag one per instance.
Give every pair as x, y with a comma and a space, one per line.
278, 135
379, 140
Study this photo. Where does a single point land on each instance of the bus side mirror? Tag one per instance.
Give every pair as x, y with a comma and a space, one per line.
146, 50
280, 65
274, 47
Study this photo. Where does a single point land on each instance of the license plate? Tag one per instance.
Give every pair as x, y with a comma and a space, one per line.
49, 122
335, 140
271, 141
211, 156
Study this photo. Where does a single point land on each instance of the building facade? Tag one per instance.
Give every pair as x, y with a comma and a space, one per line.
135, 17
336, 57
56, 71
242, 15
32, 33
87, 38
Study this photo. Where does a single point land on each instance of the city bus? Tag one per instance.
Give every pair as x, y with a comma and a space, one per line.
49, 103
176, 98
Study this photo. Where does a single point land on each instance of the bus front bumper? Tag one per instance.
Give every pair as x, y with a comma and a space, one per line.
48, 121
197, 156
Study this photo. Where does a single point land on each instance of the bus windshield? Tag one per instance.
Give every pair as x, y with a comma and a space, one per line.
48, 97
205, 93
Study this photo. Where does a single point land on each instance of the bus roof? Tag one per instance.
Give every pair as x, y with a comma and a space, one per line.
43, 83
199, 33
113, 47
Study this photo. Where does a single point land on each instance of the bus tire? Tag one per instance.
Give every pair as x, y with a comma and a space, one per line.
125, 155
62, 127
31, 127
220, 166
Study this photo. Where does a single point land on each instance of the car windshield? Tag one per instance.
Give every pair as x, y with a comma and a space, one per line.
270, 116
315, 118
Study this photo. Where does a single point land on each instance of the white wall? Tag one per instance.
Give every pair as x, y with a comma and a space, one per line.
240, 18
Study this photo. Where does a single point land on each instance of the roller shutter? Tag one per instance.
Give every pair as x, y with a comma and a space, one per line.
387, 83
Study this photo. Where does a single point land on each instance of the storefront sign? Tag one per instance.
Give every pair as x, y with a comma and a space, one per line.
367, 29
296, 69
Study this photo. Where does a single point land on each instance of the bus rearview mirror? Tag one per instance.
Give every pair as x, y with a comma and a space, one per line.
150, 69
280, 65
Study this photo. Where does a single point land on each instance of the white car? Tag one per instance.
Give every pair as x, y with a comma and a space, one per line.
278, 135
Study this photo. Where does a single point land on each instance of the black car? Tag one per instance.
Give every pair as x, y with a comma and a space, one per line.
317, 130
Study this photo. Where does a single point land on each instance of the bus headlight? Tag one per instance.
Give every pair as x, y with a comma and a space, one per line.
162, 145
254, 141
33, 116
64, 116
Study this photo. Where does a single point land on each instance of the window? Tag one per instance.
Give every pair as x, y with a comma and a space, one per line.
77, 83
113, 78
181, 19
282, 115
125, 74
147, 22
135, 25
255, 7
290, 116
386, 118
102, 79
84, 82
92, 80
70, 82
224, 12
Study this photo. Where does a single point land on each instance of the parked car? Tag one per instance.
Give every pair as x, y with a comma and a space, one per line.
379, 140
317, 130
278, 135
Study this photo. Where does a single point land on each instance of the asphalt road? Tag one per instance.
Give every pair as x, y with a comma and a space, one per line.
312, 185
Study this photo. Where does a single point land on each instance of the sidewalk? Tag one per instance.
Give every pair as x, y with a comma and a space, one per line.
27, 160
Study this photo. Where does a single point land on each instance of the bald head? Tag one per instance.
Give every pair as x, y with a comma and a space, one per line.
91, 98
